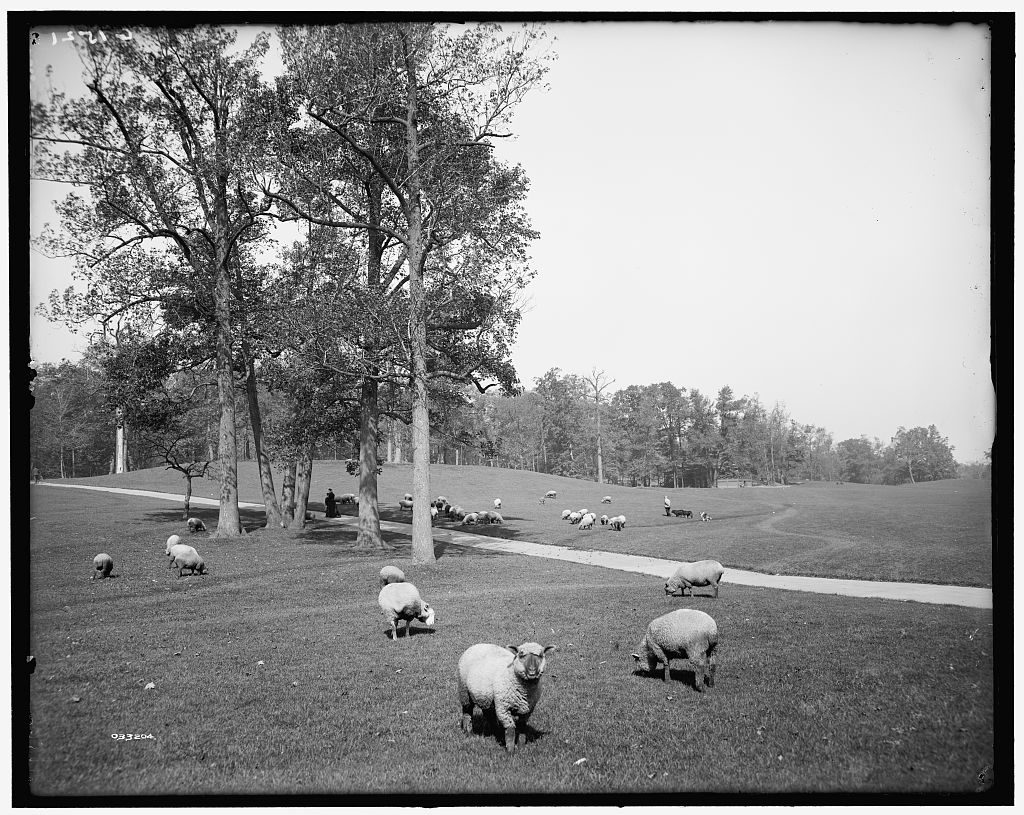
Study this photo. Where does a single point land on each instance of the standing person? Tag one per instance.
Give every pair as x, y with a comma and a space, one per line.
331, 503
36, 478
668, 506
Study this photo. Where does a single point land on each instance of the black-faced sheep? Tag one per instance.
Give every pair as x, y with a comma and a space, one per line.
402, 601
188, 560
505, 681
470, 519
408, 496
551, 494
347, 498
405, 504
682, 513
575, 517
696, 573
587, 521
617, 523
391, 574
494, 518
566, 513
682, 634
606, 500
180, 549
196, 525
497, 503
604, 520
103, 565
705, 517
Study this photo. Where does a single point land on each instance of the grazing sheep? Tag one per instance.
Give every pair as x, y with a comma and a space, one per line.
459, 513
497, 503
697, 573
583, 511
433, 513
391, 574
551, 494
347, 498
566, 513
180, 549
173, 540
682, 513
188, 560
604, 520
196, 525
617, 522
494, 518
470, 519
705, 517
440, 501
405, 503
587, 521
575, 518
510, 688
682, 634
103, 565
606, 500
402, 601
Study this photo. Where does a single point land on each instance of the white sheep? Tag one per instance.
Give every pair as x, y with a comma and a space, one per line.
551, 494
347, 498
182, 549
497, 503
173, 540
408, 496
604, 520
575, 517
470, 518
391, 574
682, 634
587, 521
510, 688
196, 525
402, 601
440, 501
705, 517
103, 565
617, 523
433, 512
405, 503
696, 573
583, 511
188, 560
494, 518
606, 500
566, 513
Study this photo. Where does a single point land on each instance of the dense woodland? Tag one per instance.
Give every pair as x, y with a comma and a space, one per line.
653, 435
330, 261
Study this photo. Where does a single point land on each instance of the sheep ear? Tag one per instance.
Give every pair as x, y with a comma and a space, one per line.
636, 657
514, 649
551, 648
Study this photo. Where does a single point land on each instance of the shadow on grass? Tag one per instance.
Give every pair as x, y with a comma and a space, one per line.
686, 676
413, 631
486, 724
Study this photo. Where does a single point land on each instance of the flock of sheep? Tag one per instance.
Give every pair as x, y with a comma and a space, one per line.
180, 555
504, 681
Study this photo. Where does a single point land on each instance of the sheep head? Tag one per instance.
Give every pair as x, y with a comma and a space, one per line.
529, 660
426, 614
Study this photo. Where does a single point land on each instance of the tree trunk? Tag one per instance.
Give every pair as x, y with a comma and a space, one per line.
228, 522
288, 494
119, 446
303, 480
273, 510
391, 442
369, 513
188, 497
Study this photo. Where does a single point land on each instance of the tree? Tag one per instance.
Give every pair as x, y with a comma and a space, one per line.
598, 383
163, 145
860, 460
922, 455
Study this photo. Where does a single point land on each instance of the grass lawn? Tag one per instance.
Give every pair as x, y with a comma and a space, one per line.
939, 532
275, 673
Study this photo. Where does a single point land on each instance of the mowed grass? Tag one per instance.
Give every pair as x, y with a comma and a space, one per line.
939, 532
813, 693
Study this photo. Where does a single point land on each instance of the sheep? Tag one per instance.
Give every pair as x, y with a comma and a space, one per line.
470, 519
405, 503
587, 521
682, 513
433, 513
408, 496
604, 520
551, 494
497, 503
446, 509
391, 574
566, 513
697, 573
682, 634
347, 498
510, 688
402, 601
575, 518
180, 549
494, 518
103, 565
173, 540
440, 501
705, 517
583, 511
617, 522
606, 500
188, 560
196, 525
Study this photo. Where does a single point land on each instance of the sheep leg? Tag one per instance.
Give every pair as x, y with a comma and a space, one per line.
407, 624
394, 629
510, 732
716, 591
666, 676
467, 718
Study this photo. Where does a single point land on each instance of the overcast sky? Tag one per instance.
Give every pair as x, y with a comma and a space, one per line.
797, 210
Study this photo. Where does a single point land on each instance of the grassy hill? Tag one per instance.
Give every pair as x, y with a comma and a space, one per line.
938, 532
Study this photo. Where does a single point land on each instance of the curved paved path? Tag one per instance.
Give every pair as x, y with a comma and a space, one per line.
971, 596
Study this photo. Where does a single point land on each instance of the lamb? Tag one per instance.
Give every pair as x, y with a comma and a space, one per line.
587, 521
402, 601
682, 634
103, 564
511, 689
196, 525
391, 574
575, 518
180, 549
470, 519
606, 500
705, 517
497, 503
188, 560
347, 498
566, 513
405, 503
551, 494
604, 520
494, 518
697, 573
617, 522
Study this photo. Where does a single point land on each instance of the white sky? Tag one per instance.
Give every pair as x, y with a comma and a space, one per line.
797, 210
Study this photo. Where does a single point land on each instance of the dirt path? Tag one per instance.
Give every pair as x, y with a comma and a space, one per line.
970, 596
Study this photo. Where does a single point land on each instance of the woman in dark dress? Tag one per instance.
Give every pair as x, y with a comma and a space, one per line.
331, 503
